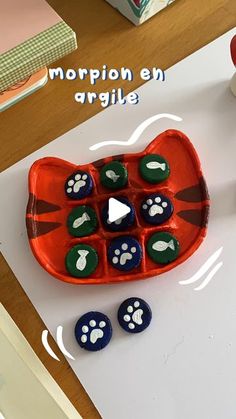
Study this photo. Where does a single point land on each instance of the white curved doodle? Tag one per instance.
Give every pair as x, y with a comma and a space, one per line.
61, 344
203, 270
205, 267
137, 133
46, 345
209, 277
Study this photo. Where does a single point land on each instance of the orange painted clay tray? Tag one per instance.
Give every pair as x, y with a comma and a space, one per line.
48, 209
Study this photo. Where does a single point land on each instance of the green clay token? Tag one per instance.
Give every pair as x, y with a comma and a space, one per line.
81, 260
114, 175
82, 221
154, 168
163, 247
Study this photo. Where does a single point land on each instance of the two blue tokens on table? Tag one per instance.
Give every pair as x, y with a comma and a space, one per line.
93, 331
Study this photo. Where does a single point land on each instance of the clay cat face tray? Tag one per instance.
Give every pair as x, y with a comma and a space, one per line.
67, 214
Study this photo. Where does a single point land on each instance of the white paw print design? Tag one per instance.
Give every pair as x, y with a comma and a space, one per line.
134, 315
96, 332
117, 222
76, 183
155, 206
122, 258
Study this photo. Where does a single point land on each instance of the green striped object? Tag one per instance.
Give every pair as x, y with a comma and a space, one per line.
36, 53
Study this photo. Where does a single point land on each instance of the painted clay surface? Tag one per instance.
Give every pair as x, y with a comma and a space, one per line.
48, 209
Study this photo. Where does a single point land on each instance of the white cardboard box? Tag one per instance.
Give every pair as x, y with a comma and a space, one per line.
138, 11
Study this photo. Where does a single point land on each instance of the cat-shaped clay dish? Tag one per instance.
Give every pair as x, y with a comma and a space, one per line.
48, 209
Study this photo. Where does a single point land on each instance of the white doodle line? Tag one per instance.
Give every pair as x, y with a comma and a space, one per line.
138, 131
203, 270
46, 345
60, 343
209, 277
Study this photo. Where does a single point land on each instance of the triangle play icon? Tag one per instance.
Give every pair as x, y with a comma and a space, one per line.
116, 210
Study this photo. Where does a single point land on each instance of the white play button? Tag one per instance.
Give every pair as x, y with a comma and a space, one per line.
116, 210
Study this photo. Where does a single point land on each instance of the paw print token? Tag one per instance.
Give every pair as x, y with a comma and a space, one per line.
93, 331
81, 260
134, 315
154, 168
156, 209
114, 175
121, 223
79, 185
125, 253
82, 221
163, 247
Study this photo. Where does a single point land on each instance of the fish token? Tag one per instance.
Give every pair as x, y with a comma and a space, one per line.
93, 331
163, 247
114, 175
121, 223
156, 209
79, 185
154, 168
125, 253
81, 260
82, 221
134, 315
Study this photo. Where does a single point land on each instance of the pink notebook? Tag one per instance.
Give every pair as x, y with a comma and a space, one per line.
32, 36
22, 20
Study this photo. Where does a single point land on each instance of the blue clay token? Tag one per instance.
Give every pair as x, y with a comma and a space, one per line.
93, 331
125, 253
79, 185
156, 208
134, 315
122, 223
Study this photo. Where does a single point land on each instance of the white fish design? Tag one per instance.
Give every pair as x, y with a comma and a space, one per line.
156, 165
81, 220
161, 246
82, 262
112, 175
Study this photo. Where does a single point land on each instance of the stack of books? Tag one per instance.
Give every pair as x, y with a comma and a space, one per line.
32, 36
